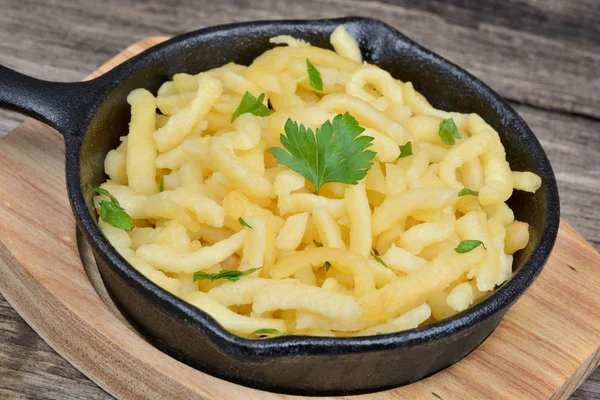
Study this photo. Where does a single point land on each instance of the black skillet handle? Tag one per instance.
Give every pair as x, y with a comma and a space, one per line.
63, 106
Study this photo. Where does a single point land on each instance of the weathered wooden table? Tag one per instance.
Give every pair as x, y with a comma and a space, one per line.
543, 56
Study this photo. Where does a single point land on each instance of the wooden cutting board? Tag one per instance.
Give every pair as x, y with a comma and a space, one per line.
548, 343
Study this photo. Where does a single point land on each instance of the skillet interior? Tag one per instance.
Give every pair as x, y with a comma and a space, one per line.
307, 365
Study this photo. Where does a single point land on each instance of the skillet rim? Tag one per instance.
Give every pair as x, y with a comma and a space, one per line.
295, 345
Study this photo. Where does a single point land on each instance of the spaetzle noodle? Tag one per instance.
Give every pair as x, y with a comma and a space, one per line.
209, 200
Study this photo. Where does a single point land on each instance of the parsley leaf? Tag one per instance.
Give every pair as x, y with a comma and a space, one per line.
244, 223
405, 150
448, 131
161, 184
233, 276
378, 259
327, 263
115, 215
467, 245
265, 332
314, 75
467, 192
336, 153
111, 211
252, 105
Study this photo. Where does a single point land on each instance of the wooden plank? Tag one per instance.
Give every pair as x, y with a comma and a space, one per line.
67, 40
30, 368
575, 22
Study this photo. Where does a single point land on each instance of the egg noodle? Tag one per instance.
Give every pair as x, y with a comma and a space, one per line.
218, 222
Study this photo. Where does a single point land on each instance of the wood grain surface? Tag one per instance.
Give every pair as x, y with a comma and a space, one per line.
542, 55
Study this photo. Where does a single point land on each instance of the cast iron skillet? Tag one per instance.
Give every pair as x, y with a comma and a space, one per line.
93, 115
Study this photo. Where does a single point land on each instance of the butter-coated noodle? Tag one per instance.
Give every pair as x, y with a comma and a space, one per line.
365, 259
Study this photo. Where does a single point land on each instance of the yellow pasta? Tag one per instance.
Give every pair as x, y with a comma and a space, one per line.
180, 124
357, 206
309, 320
169, 210
220, 159
285, 296
167, 89
288, 40
366, 114
420, 236
219, 221
115, 164
424, 128
517, 236
344, 44
328, 229
501, 212
461, 297
141, 150
419, 166
305, 202
255, 244
169, 260
231, 320
171, 285
286, 182
290, 236
379, 79
344, 260
410, 319
526, 181
386, 149
395, 179
168, 105
238, 293
413, 289
395, 208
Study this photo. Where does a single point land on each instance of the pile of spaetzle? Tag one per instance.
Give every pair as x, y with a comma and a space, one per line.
225, 194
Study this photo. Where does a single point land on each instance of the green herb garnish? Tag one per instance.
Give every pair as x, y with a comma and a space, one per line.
244, 223
448, 131
111, 211
314, 76
468, 192
467, 245
161, 184
378, 259
336, 153
233, 276
266, 332
252, 105
405, 150
327, 263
